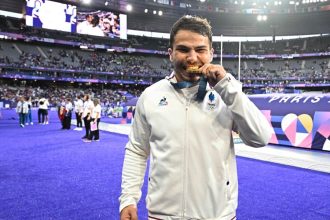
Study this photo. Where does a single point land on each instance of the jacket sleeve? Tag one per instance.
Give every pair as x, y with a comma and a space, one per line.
136, 155
251, 124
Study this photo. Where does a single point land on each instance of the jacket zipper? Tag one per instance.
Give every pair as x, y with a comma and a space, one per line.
185, 160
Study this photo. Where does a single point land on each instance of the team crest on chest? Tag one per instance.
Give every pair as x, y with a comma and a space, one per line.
163, 102
211, 103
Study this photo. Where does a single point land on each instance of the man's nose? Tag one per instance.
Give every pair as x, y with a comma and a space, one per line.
192, 56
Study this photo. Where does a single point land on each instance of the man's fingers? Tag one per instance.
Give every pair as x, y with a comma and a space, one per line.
129, 213
204, 68
213, 73
125, 217
134, 216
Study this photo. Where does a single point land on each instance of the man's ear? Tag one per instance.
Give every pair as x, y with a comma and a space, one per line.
170, 52
211, 54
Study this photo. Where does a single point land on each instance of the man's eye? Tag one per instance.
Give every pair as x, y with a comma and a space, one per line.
183, 50
200, 50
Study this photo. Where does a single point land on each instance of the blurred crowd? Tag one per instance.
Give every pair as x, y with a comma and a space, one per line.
78, 64
56, 94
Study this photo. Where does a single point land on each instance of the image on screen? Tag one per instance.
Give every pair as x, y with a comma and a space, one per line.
51, 15
102, 23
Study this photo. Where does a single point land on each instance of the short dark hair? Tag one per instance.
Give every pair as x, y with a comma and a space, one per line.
192, 23
96, 20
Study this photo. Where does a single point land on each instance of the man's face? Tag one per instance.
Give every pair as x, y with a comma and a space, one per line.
189, 48
89, 18
106, 25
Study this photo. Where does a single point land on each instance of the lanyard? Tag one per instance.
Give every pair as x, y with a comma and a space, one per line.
201, 87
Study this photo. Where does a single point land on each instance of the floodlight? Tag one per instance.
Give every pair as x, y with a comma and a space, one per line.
129, 7
87, 1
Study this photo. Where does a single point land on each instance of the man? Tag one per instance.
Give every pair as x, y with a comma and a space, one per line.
188, 134
96, 29
85, 26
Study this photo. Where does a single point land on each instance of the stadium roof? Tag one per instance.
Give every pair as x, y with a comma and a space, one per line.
228, 17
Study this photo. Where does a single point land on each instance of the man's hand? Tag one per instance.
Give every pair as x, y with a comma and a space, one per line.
129, 213
213, 73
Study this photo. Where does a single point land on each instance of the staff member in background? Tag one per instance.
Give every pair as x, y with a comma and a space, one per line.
88, 106
184, 123
95, 120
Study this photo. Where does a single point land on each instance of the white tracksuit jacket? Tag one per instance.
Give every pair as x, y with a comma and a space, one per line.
192, 173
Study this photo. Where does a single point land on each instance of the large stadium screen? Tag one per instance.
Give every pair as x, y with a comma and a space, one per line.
102, 23
51, 15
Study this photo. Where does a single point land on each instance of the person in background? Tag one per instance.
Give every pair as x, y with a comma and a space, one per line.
22, 110
78, 108
40, 120
184, 123
28, 118
124, 112
43, 111
61, 115
88, 106
68, 114
106, 26
95, 120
